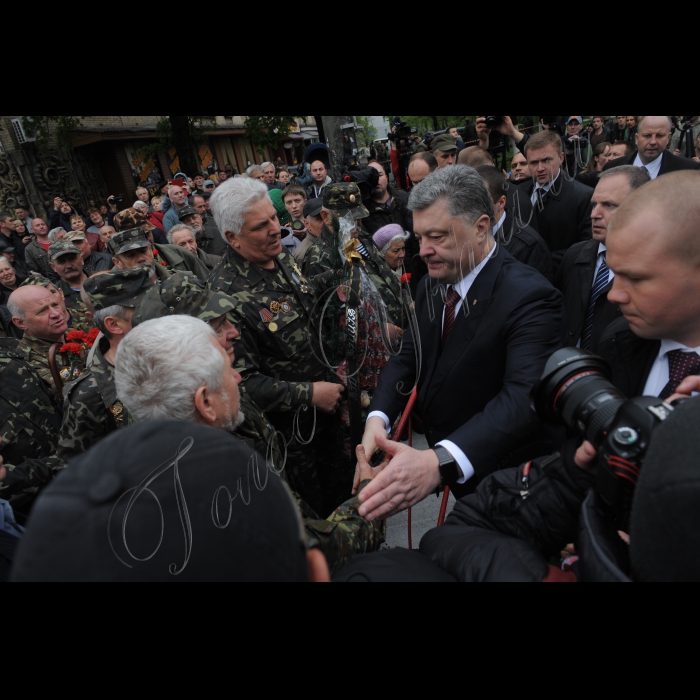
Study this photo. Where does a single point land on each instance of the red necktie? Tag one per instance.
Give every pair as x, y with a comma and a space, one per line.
452, 300
680, 365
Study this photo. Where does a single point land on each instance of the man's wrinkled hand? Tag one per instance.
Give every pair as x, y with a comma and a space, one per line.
327, 396
410, 476
686, 389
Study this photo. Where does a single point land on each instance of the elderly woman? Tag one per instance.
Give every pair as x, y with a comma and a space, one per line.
391, 241
56, 234
8, 280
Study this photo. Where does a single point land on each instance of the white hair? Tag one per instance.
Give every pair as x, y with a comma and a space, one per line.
15, 309
5, 260
254, 169
162, 364
180, 227
53, 232
398, 237
139, 203
266, 165
232, 200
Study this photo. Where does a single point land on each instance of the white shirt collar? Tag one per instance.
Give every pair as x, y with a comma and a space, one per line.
462, 288
653, 168
671, 345
602, 249
499, 225
548, 186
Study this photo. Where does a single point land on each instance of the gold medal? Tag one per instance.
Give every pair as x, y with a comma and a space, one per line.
273, 327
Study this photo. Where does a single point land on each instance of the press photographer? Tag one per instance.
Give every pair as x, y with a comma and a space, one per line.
576, 146
401, 138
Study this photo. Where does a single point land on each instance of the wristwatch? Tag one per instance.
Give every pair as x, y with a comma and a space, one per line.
450, 472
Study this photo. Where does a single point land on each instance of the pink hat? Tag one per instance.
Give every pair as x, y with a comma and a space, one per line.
387, 234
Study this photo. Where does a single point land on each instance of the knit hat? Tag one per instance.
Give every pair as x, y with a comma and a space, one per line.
282, 213
387, 234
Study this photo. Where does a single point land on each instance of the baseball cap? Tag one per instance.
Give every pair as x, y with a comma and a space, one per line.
186, 211
313, 207
345, 196
122, 287
575, 119
444, 142
75, 236
128, 240
61, 248
209, 183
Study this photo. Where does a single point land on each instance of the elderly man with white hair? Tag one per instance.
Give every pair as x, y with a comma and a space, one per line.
256, 172
280, 359
174, 368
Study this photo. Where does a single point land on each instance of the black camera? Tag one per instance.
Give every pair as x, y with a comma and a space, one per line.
493, 122
557, 124
581, 142
575, 390
115, 200
298, 226
403, 131
367, 179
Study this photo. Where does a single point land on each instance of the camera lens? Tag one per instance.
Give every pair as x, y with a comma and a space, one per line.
494, 122
575, 390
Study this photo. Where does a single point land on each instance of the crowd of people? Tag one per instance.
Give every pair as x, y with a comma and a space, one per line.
204, 385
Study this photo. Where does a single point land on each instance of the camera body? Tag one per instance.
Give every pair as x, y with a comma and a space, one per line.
367, 179
581, 142
493, 122
115, 200
575, 390
557, 124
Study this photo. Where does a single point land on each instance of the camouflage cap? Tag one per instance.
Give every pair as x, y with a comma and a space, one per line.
444, 142
36, 281
122, 287
345, 196
132, 218
128, 240
61, 248
75, 236
187, 211
183, 294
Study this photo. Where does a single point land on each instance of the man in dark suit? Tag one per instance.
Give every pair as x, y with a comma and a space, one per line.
512, 230
486, 325
563, 205
653, 137
654, 250
584, 276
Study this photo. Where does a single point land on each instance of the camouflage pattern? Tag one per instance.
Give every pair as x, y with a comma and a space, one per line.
61, 248
30, 419
273, 354
92, 410
123, 242
79, 321
323, 256
345, 197
183, 294
177, 259
120, 287
345, 533
38, 281
74, 236
131, 219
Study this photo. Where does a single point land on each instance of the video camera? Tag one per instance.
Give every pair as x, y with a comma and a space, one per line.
575, 390
367, 179
403, 131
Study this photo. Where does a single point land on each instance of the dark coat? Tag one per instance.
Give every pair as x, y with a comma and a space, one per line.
669, 164
565, 217
631, 358
519, 204
378, 217
210, 240
575, 280
527, 246
98, 262
476, 393
37, 260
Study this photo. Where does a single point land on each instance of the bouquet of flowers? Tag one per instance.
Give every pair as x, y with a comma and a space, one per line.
75, 351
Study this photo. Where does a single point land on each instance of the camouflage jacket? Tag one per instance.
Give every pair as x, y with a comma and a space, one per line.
276, 318
76, 308
175, 258
341, 536
323, 256
30, 419
92, 410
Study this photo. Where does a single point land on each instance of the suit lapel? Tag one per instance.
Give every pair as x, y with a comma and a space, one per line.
586, 263
637, 356
431, 332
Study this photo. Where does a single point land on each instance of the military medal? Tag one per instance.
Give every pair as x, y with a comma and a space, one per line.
273, 327
266, 316
117, 410
286, 307
275, 307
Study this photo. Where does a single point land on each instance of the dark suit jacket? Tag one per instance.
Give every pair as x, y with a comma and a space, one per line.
527, 246
477, 392
519, 204
631, 357
669, 164
575, 280
565, 218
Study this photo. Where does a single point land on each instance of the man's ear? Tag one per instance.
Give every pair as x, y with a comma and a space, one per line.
326, 216
117, 263
318, 567
22, 325
231, 238
204, 406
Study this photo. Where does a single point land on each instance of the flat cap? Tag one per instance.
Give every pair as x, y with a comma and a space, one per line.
182, 294
122, 287
345, 196
61, 248
444, 142
128, 240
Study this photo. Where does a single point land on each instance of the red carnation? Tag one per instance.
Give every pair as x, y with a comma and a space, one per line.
72, 348
77, 335
92, 336
405, 279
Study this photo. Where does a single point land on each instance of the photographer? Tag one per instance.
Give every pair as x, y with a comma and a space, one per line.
401, 138
505, 127
576, 146
678, 148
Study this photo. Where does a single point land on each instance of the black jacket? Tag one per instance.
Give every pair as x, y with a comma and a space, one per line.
511, 532
476, 393
631, 358
210, 240
669, 164
565, 217
37, 260
519, 204
575, 280
379, 217
527, 246
98, 262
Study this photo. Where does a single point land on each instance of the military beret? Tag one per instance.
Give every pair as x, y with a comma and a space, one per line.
61, 248
132, 218
187, 211
444, 142
122, 287
183, 294
128, 240
345, 196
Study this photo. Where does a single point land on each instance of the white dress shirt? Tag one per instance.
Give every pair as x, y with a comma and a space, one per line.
660, 372
543, 188
499, 225
462, 289
611, 275
653, 168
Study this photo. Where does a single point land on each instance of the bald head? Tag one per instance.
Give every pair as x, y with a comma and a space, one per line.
474, 156
653, 137
38, 312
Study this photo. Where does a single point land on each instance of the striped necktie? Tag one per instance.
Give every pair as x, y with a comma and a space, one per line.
601, 282
453, 299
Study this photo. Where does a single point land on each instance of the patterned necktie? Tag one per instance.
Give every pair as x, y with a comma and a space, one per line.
601, 282
453, 299
680, 365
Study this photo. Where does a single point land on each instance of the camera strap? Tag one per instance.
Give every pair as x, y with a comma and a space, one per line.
352, 329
